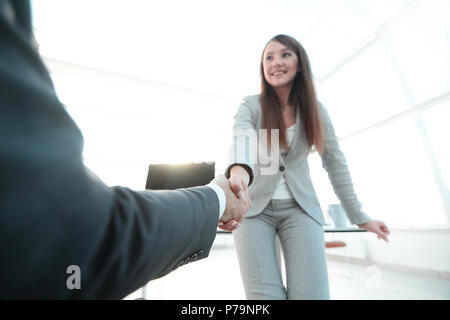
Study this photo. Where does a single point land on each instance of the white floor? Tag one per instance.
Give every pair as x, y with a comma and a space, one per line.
218, 278
214, 278
356, 281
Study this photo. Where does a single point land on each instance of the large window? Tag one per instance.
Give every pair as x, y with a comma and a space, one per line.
130, 123
388, 96
393, 176
438, 130
363, 92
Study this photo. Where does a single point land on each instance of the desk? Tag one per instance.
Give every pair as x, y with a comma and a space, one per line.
325, 229
342, 229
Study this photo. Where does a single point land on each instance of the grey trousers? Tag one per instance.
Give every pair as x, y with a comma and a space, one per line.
303, 245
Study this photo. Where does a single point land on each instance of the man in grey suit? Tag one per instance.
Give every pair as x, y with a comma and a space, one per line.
58, 220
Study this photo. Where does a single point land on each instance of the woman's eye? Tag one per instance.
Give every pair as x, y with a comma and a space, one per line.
269, 58
286, 54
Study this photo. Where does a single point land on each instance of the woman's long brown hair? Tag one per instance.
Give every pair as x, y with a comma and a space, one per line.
302, 94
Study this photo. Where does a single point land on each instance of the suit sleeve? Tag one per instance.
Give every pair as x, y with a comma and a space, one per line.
334, 162
55, 213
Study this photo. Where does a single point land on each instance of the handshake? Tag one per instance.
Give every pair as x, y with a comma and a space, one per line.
237, 200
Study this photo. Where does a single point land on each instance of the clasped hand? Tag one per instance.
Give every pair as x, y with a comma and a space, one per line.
238, 201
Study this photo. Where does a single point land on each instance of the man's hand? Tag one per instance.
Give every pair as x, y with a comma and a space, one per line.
235, 208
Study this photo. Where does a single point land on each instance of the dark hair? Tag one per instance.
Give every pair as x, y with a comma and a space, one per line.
302, 94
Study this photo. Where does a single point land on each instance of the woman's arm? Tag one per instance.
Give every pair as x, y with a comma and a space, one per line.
240, 170
334, 162
244, 142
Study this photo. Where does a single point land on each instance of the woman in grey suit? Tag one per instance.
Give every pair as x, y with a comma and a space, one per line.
287, 118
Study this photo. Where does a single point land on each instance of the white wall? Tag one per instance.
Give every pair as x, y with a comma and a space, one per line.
130, 122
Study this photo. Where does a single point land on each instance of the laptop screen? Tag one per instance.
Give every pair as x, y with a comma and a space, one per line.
176, 176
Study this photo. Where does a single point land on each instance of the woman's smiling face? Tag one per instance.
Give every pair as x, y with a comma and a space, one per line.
280, 65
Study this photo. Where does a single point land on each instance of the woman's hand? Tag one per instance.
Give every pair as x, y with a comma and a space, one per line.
378, 227
239, 179
239, 186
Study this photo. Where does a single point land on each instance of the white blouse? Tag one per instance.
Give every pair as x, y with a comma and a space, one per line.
282, 191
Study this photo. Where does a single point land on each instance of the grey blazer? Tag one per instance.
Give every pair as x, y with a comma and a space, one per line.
294, 166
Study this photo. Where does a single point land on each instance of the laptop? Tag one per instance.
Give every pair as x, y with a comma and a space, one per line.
176, 176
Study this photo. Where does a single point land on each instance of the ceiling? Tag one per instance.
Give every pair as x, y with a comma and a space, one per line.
211, 46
